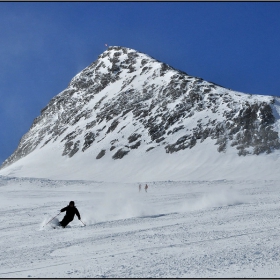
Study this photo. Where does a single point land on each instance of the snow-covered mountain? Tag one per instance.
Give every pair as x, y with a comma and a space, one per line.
128, 116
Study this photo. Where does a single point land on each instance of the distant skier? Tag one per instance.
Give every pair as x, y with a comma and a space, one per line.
139, 187
71, 210
146, 187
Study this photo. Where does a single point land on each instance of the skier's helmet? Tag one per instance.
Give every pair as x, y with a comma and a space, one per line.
72, 203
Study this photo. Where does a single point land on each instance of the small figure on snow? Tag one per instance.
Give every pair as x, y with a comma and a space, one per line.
71, 210
146, 187
139, 187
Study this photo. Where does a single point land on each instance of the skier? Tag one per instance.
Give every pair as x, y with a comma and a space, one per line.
146, 187
139, 187
71, 210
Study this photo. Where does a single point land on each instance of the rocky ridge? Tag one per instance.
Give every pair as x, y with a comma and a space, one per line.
126, 100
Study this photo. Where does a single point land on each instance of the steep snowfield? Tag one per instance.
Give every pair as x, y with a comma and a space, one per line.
202, 162
221, 228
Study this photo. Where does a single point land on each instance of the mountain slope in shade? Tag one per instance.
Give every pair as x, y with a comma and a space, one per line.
128, 116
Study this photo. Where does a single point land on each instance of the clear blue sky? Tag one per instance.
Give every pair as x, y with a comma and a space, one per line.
44, 44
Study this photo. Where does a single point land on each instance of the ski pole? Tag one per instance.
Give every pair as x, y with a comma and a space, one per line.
51, 219
83, 222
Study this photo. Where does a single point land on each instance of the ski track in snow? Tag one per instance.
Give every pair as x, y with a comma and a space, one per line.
177, 229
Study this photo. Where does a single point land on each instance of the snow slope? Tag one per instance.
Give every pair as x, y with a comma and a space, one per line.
202, 162
215, 228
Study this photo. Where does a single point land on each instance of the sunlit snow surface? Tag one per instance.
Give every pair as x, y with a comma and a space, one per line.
222, 228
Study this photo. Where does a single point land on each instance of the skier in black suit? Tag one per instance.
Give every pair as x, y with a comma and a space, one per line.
71, 210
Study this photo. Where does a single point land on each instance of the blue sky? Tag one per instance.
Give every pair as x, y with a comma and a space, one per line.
44, 44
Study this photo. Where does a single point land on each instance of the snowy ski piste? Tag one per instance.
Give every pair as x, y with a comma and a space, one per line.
206, 228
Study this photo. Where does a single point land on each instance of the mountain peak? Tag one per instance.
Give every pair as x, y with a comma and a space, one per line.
127, 104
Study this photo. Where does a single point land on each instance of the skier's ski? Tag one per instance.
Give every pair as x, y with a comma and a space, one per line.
56, 226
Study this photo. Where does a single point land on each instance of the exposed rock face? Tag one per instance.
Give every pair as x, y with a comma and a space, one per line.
128, 100
120, 154
101, 154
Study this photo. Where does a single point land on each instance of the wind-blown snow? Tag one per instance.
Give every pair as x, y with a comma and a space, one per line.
202, 229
